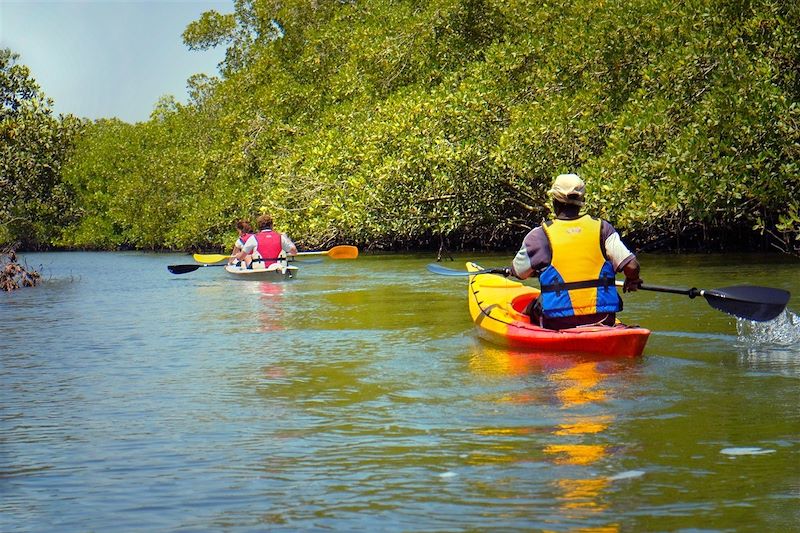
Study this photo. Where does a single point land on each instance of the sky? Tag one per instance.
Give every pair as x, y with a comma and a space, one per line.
108, 58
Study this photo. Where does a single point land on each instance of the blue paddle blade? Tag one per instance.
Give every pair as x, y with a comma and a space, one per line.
444, 271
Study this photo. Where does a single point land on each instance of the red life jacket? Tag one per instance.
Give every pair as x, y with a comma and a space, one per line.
243, 239
269, 246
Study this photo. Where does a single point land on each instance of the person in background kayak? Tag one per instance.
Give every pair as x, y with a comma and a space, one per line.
245, 231
576, 258
266, 245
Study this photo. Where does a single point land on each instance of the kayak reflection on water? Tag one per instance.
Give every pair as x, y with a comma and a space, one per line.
571, 389
271, 312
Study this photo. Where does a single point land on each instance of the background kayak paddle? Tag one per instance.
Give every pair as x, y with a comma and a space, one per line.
745, 301
343, 251
436, 268
210, 258
183, 269
217, 258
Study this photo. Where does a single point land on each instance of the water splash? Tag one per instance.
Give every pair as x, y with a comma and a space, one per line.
783, 331
772, 346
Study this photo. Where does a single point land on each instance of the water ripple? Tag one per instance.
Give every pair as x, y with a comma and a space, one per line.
358, 398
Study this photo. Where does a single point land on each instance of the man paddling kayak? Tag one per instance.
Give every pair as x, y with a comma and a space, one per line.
576, 258
267, 244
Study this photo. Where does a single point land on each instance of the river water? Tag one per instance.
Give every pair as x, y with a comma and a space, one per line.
358, 397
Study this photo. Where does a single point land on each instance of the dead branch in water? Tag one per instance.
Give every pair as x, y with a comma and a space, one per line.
13, 275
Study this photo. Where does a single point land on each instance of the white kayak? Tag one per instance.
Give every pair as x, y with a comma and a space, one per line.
274, 272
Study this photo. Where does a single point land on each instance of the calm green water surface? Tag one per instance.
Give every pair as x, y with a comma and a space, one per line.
357, 397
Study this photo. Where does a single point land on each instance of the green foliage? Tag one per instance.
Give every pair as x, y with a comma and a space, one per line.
16, 85
396, 123
159, 191
212, 29
34, 202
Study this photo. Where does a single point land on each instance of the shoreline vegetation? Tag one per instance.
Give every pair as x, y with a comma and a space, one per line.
432, 125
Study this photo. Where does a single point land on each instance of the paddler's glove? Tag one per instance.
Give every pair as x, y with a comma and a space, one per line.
631, 284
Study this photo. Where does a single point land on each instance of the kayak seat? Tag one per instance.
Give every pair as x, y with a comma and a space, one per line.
520, 303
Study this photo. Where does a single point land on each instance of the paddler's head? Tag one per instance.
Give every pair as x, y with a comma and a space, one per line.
264, 222
243, 226
568, 193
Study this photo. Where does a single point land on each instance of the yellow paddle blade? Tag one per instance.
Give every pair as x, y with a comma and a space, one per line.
210, 258
344, 251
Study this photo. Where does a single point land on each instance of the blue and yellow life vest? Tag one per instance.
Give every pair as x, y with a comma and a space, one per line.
579, 279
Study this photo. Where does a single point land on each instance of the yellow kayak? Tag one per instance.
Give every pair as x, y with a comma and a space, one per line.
496, 304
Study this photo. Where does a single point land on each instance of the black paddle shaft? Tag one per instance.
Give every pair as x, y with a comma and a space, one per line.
691, 293
751, 302
759, 304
